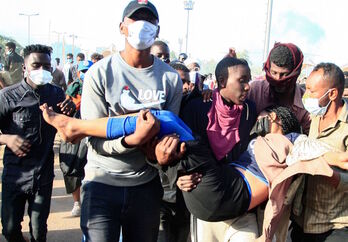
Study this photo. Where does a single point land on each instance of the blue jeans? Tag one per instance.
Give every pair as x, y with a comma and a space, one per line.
12, 212
106, 209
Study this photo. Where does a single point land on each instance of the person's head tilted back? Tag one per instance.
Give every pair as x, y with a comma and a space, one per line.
278, 119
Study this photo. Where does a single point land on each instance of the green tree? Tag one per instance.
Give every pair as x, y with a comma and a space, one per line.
244, 54
4, 40
208, 66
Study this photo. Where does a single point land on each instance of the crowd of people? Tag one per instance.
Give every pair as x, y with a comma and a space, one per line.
159, 152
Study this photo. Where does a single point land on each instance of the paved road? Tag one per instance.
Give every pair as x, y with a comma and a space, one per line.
61, 226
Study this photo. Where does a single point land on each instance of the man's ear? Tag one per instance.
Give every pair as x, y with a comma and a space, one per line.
333, 94
123, 29
222, 81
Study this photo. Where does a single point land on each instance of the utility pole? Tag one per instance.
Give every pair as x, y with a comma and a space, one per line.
180, 44
29, 15
268, 29
73, 42
63, 43
188, 5
49, 33
63, 49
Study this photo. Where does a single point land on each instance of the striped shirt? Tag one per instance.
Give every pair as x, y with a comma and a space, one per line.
326, 208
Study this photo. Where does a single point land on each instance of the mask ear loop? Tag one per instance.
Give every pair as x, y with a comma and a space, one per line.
327, 92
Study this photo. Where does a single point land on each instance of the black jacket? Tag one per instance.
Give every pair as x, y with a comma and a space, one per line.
20, 114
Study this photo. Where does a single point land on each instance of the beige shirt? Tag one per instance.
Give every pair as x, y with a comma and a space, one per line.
326, 207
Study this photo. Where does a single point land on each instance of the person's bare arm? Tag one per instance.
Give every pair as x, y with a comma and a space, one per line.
338, 159
72, 129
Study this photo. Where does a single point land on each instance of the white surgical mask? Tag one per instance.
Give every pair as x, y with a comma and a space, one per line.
40, 77
141, 34
312, 105
8, 52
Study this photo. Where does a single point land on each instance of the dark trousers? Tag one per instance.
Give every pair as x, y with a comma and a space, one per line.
12, 212
334, 235
106, 209
174, 223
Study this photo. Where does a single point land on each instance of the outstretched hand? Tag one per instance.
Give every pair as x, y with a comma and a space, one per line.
67, 107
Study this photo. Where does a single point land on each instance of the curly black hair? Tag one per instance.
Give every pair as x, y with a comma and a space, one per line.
37, 49
290, 123
282, 57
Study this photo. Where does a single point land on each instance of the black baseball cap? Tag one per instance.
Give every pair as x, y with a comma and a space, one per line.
135, 5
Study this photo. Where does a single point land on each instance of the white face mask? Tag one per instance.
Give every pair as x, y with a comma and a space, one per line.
312, 105
141, 34
40, 77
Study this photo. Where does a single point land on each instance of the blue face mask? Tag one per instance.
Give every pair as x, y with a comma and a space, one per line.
69, 60
82, 76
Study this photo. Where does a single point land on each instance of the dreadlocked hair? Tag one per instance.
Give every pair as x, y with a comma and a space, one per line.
290, 124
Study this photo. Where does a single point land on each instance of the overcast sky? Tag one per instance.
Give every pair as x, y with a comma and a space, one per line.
318, 27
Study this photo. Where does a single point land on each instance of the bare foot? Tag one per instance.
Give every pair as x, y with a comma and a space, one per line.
62, 123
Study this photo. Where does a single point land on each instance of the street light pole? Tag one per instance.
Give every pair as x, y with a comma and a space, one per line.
268, 30
28, 15
58, 44
73, 36
188, 5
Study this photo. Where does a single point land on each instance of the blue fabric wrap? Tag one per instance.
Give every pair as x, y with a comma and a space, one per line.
170, 123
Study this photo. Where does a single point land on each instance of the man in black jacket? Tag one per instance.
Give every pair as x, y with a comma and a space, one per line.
28, 157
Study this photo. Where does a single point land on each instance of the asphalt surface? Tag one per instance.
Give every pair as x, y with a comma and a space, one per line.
61, 225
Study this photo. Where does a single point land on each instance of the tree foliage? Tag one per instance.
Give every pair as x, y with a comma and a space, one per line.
5, 39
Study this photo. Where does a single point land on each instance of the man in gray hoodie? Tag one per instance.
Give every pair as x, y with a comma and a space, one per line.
120, 189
